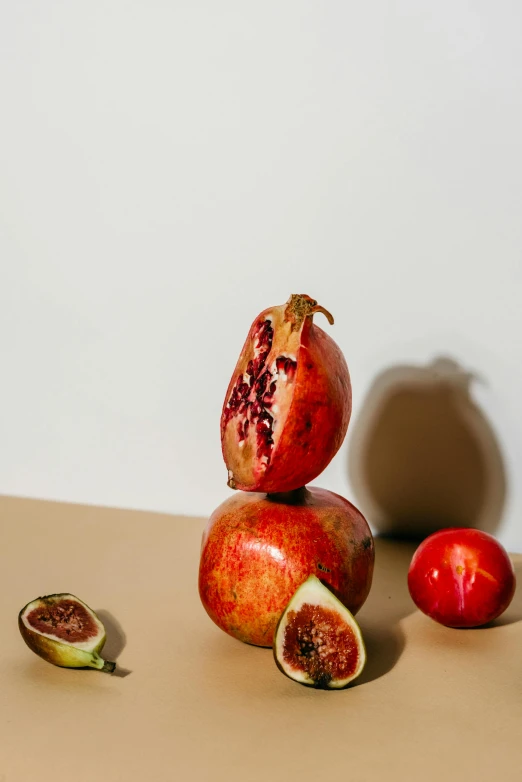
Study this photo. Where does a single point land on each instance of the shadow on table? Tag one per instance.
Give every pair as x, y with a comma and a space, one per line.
116, 640
389, 602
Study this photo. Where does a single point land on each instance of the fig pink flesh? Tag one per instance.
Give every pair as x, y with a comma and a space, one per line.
67, 620
318, 641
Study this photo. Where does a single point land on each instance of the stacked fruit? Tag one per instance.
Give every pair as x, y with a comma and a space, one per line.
285, 416
281, 564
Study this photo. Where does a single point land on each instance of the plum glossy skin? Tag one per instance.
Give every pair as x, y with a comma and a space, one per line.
461, 577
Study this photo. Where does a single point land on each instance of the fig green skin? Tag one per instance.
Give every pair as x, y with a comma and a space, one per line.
61, 654
258, 549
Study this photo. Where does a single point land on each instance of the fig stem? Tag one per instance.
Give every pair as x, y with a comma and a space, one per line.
101, 665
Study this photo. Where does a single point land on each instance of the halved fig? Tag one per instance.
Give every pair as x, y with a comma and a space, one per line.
64, 631
317, 641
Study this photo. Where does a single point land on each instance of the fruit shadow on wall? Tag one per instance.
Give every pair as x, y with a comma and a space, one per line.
423, 455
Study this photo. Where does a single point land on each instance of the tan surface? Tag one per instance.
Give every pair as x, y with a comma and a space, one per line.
432, 704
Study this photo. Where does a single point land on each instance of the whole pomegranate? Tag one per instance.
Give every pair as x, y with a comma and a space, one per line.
258, 549
461, 577
289, 401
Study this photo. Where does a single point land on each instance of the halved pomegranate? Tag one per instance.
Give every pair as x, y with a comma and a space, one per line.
288, 404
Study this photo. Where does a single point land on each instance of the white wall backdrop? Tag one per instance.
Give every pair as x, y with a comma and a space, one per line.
169, 169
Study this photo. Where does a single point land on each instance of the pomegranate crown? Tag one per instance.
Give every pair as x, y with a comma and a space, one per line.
300, 306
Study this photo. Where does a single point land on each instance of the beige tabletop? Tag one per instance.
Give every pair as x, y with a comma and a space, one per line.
190, 703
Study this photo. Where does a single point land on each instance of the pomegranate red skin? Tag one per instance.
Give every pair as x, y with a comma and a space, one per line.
461, 577
317, 420
257, 550
313, 431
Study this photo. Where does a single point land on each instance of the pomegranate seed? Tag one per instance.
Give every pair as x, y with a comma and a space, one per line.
234, 401
253, 392
264, 423
264, 450
261, 384
256, 409
290, 368
286, 365
265, 336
